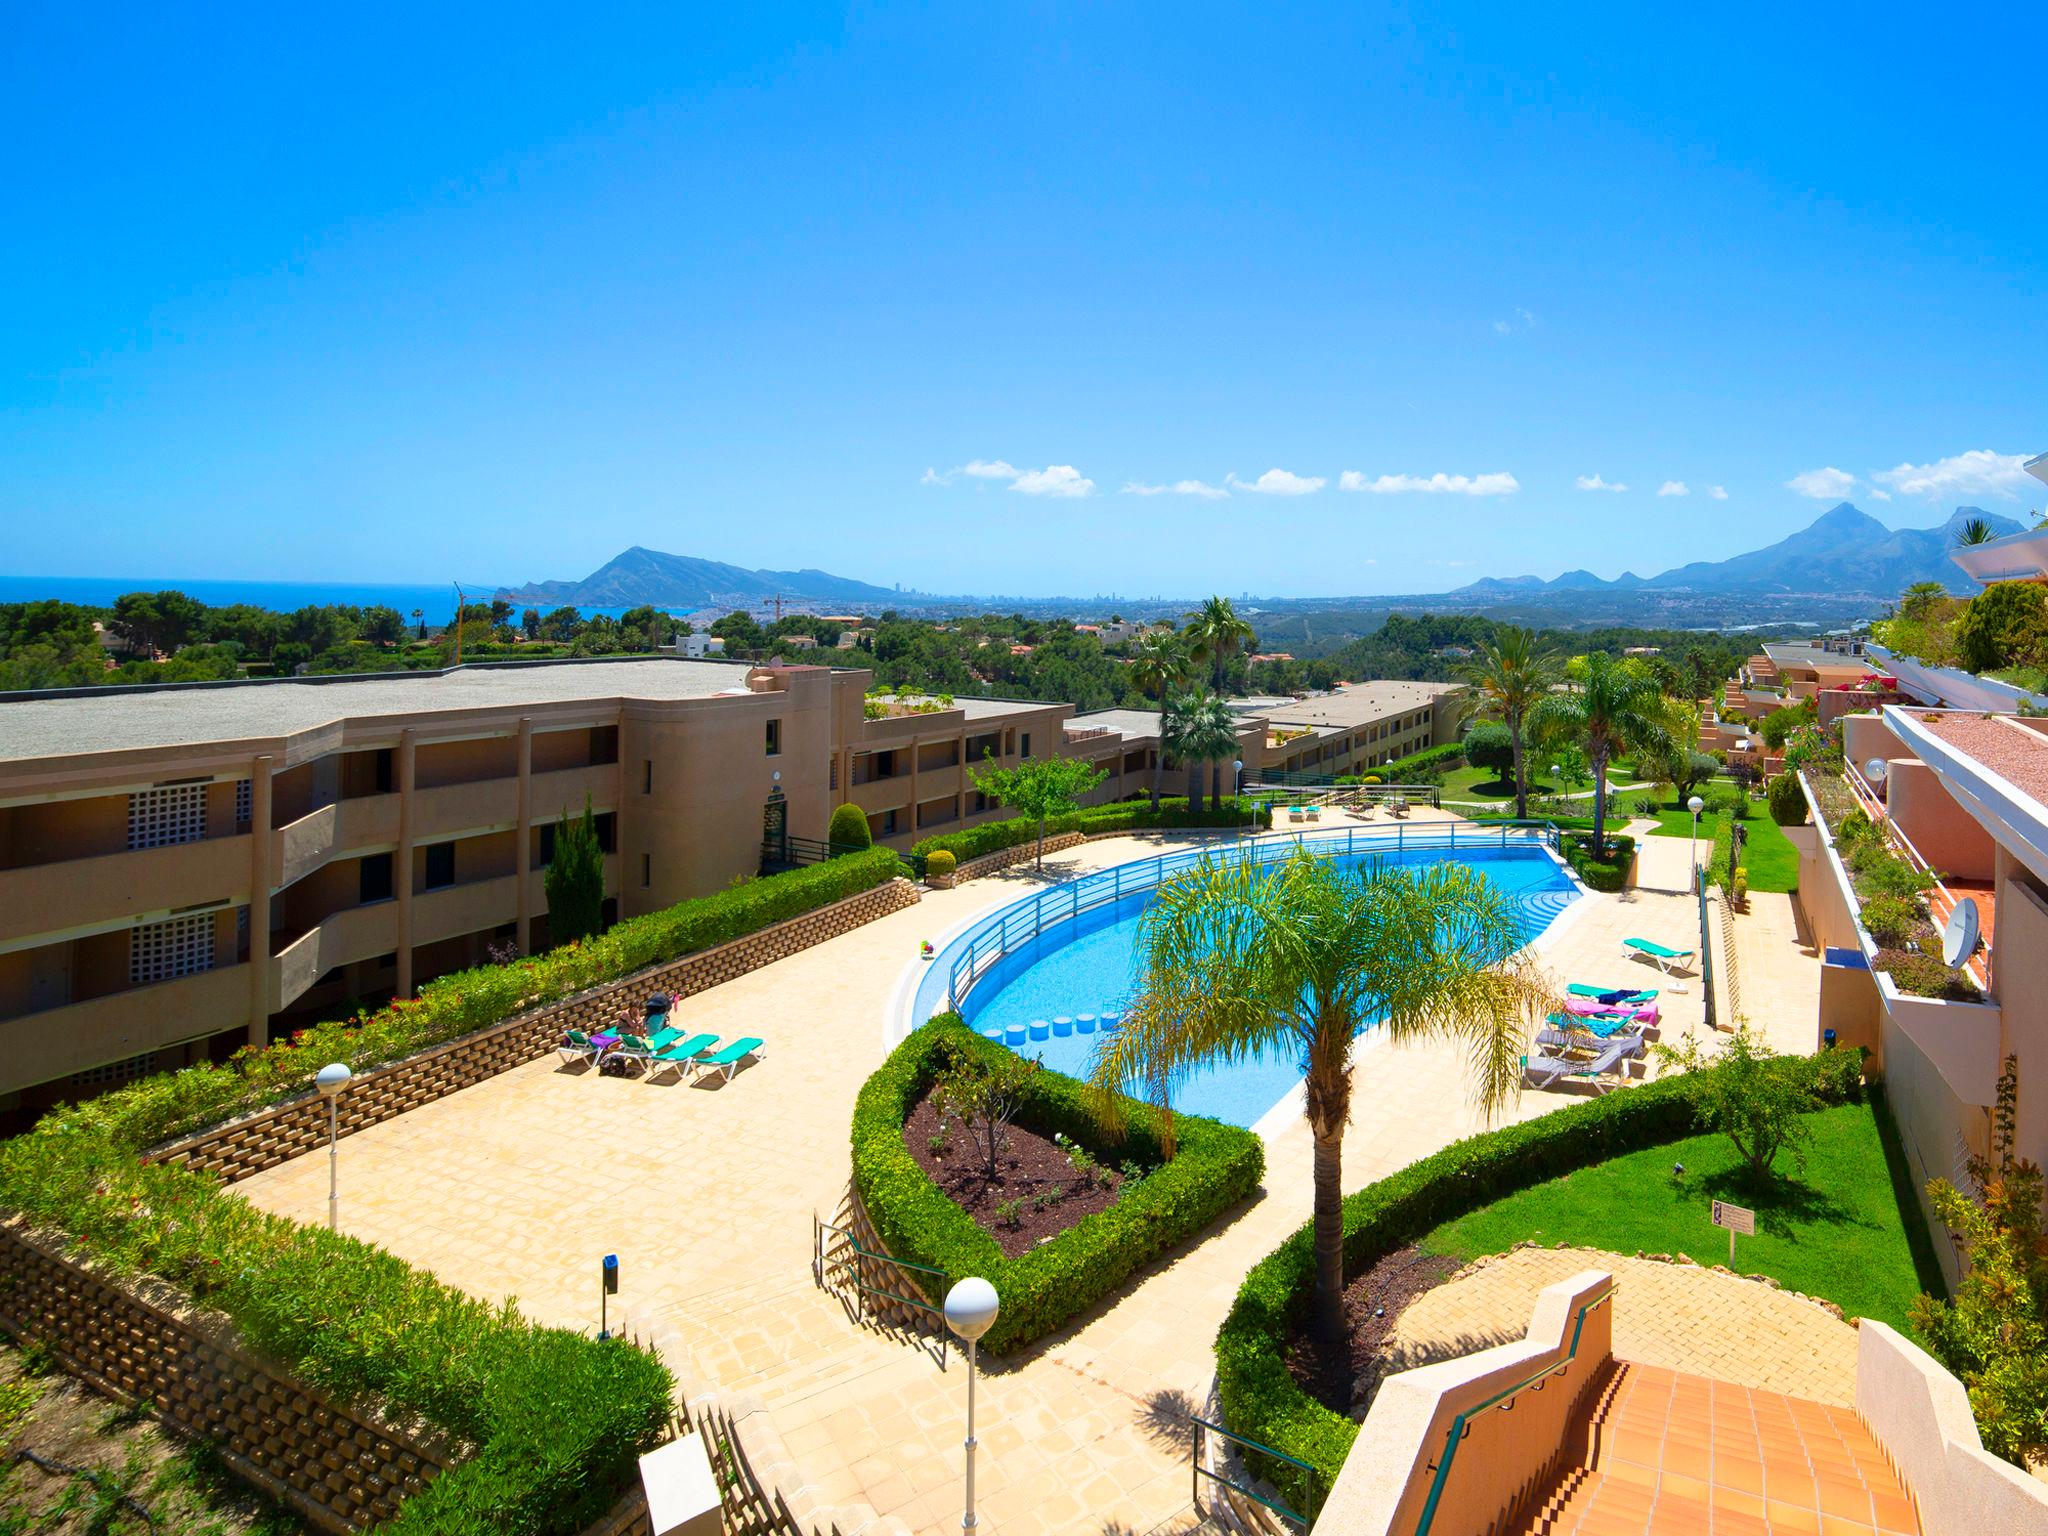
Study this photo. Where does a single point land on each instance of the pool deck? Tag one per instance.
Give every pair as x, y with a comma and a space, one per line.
519, 1185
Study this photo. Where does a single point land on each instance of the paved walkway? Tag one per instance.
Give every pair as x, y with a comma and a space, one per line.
1678, 1316
519, 1185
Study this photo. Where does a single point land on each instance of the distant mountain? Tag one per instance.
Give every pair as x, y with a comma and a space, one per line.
1843, 553
682, 581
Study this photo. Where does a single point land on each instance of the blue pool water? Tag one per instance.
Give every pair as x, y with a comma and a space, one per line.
1086, 965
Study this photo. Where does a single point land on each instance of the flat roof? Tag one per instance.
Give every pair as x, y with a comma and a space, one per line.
1796, 655
1131, 724
1356, 704
85, 721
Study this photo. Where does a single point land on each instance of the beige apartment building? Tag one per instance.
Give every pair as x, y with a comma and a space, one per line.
188, 868
1357, 727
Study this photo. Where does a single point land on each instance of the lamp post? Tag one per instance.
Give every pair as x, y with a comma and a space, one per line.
1695, 805
330, 1080
1238, 768
970, 1312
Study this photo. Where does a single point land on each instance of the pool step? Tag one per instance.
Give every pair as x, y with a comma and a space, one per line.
1063, 1027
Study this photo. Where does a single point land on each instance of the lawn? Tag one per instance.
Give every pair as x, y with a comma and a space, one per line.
1469, 783
1768, 855
1846, 1228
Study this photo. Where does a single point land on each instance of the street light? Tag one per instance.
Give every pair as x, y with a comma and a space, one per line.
1695, 805
970, 1312
331, 1079
1238, 765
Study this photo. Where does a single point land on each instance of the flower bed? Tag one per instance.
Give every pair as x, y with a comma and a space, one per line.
1601, 871
1261, 1399
1215, 1166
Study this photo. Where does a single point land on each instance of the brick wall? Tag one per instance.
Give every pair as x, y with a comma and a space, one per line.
1023, 853
275, 1135
136, 1341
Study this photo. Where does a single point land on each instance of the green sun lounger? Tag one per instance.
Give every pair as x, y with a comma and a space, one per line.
1623, 994
1670, 960
726, 1059
577, 1046
679, 1053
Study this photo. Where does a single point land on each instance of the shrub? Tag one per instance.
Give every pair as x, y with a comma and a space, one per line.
574, 879
1926, 976
1608, 872
2005, 623
1781, 723
1426, 766
1758, 1105
939, 863
1261, 1400
1129, 815
1215, 1166
1489, 744
1787, 801
1890, 920
848, 830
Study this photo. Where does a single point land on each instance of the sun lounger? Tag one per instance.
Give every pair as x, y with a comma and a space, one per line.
680, 1053
633, 1048
1670, 960
1614, 997
726, 1059
1646, 1013
577, 1046
1603, 1026
1544, 1069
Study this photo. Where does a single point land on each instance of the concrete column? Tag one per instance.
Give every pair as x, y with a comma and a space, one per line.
522, 854
260, 962
960, 791
913, 788
401, 874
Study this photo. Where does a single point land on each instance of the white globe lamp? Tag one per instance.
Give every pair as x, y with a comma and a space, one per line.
330, 1080
971, 1308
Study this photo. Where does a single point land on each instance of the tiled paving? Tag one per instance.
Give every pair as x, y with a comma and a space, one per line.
519, 1185
1678, 1316
1668, 1451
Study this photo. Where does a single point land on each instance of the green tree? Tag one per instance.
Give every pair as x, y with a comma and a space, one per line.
575, 878
1491, 745
1973, 531
848, 830
1181, 741
1512, 676
1160, 670
1922, 600
1208, 734
984, 1098
529, 623
1757, 1101
1241, 959
1215, 634
1611, 706
1040, 787
156, 621
383, 626
561, 625
2005, 623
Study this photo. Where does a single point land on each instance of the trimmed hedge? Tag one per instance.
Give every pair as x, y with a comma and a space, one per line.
1405, 770
1601, 874
171, 1104
1214, 1167
552, 1422
1261, 1400
1125, 816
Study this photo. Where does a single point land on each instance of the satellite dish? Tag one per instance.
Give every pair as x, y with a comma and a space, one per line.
1875, 770
1959, 936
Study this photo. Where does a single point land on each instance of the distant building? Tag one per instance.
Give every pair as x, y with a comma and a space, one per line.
698, 646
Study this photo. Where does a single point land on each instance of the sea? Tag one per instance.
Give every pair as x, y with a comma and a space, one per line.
436, 602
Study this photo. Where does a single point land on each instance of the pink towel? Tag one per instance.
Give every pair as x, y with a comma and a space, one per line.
1647, 1014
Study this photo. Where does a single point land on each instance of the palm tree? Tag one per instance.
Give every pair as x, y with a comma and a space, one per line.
1513, 677
1611, 707
1241, 959
1178, 740
1210, 736
1161, 669
1974, 530
1215, 634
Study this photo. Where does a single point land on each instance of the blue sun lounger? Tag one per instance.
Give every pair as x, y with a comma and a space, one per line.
725, 1061
1670, 960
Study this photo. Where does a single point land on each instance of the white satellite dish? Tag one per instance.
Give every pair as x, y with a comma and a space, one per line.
1875, 770
1959, 935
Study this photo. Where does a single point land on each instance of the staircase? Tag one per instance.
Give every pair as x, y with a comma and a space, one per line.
1663, 1451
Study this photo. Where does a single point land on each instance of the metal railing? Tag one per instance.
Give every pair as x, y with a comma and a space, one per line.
824, 1266
964, 960
786, 852
1461, 1426
1202, 1428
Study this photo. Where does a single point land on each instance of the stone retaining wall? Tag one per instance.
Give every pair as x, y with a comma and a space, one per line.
1023, 853
247, 1146
137, 1341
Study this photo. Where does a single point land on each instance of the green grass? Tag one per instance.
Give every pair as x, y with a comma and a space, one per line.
1768, 855
1847, 1228
1469, 783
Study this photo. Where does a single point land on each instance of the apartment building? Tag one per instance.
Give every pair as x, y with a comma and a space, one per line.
184, 869
1356, 727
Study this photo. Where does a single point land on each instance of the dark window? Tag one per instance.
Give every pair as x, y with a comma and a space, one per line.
888, 823
774, 738
373, 878
604, 744
647, 777
608, 832
1025, 750
646, 870
547, 845
383, 770
440, 865
388, 962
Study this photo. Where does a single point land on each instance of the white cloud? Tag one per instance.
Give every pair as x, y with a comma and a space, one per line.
1595, 483
1822, 484
1280, 482
933, 477
988, 469
1718, 492
1199, 488
1674, 488
1526, 317
1439, 484
1880, 495
1053, 480
1501, 327
1980, 472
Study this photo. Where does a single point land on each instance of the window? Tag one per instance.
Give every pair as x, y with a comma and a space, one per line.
170, 813
647, 777
114, 1072
440, 865
604, 744
775, 738
832, 772
1024, 749
373, 878
646, 870
245, 802
607, 832
181, 946
547, 845
888, 824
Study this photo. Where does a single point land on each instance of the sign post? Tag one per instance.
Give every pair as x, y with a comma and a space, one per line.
1736, 1218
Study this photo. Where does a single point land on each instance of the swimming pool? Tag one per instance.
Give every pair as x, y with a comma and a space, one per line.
1049, 973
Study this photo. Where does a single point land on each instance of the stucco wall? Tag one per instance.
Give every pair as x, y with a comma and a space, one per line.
1949, 838
2021, 957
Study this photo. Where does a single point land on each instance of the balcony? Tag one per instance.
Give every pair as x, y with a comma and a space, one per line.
112, 889
56, 1042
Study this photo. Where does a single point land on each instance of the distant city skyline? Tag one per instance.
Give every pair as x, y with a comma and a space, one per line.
1021, 303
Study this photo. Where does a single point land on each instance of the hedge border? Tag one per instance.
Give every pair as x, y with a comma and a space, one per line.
1608, 874
1214, 1167
1261, 1400
1125, 815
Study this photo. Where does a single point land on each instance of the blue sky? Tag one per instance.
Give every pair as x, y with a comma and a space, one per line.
495, 293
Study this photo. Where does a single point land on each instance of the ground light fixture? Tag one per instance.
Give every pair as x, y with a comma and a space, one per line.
330, 1080
971, 1308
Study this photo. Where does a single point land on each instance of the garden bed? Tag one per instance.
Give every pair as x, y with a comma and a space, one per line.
1344, 1381
1038, 1190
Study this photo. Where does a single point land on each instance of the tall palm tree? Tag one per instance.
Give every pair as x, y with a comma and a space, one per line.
1974, 530
1179, 740
1161, 669
1241, 959
1512, 677
1612, 706
1210, 736
1215, 634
